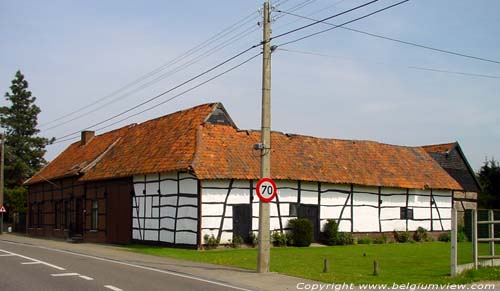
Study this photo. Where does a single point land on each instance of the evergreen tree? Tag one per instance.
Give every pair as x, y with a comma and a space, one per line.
24, 150
489, 178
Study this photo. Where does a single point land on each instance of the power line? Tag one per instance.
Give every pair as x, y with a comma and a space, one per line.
345, 23
421, 68
396, 40
171, 98
165, 92
191, 51
324, 19
163, 76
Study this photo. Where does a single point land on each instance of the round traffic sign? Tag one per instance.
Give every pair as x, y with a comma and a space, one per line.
266, 189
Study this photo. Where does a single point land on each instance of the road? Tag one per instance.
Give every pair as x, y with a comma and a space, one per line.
25, 267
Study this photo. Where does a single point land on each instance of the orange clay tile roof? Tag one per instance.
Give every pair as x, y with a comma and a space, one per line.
439, 148
184, 141
225, 152
159, 145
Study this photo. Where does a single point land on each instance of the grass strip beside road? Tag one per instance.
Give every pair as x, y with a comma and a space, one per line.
398, 263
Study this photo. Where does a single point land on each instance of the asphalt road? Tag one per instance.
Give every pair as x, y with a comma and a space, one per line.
24, 267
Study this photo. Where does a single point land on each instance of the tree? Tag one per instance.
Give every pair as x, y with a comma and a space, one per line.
24, 149
489, 178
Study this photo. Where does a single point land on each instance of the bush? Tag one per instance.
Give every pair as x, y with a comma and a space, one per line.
278, 238
237, 241
330, 235
302, 231
345, 238
289, 239
445, 236
364, 240
401, 236
421, 235
210, 241
383, 239
461, 235
252, 239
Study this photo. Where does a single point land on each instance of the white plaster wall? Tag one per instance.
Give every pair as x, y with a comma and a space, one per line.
162, 211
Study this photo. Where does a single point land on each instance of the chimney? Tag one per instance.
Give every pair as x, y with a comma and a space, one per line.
87, 135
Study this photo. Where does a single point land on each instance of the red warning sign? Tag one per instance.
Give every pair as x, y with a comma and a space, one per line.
2, 209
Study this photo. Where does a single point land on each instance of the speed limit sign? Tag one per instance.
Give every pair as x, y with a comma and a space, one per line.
266, 189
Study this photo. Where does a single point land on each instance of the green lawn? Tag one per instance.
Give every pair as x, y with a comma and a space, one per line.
399, 263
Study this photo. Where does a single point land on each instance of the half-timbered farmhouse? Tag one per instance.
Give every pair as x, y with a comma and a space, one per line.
178, 177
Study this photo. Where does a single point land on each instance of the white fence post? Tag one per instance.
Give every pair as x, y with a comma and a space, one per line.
474, 238
453, 234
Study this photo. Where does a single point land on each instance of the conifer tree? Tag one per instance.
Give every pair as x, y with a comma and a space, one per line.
24, 149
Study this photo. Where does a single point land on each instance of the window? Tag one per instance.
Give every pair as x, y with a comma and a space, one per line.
40, 215
94, 215
66, 214
56, 214
32, 214
294, 209
406, 213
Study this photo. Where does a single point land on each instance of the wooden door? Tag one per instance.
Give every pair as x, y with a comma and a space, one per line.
242, 220
311, 212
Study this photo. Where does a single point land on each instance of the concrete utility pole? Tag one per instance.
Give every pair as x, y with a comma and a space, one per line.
265, 166
2, 137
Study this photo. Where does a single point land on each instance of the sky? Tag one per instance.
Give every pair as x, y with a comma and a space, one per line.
338, 84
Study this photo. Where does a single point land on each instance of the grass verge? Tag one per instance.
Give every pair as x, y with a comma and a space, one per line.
398, 263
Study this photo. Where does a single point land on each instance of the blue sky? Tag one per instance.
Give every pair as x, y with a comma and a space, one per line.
76, 52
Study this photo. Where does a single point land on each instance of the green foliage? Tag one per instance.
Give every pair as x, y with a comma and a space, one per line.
279, 239
302, 231
489, 178
445, 237
237, 241
345, 238
210, 242
252, 239
382, 239
421, 235
16, 199
461, 234
401, 236
330, 235
24, 149
364, 240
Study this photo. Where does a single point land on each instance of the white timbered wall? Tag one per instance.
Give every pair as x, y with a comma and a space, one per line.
356, 208
165, 208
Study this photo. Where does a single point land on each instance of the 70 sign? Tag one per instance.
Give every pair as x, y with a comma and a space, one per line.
266, 189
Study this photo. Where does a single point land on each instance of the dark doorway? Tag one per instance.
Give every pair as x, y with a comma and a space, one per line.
242, 220
311, 212
79, 216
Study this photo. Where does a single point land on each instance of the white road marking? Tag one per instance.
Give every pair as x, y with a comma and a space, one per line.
133, 266
34, 260
6, 255
64, 274
113, 288
31, 263
86, 278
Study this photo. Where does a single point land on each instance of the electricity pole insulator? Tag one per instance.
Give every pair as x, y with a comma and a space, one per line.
265, 168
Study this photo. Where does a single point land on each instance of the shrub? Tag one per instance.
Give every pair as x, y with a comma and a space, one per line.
364, 240
344, 238
252, 239
278, 238
289, 239
302, 231
330, 235
421, 235
381, 239
461, 235
401, 236
210, 241
445, 236
237, 241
